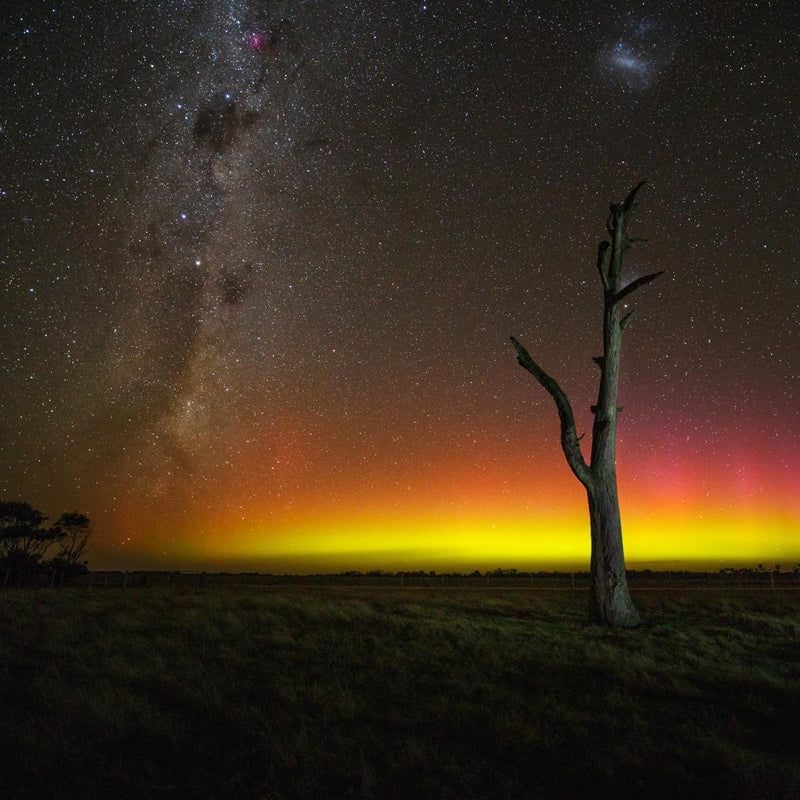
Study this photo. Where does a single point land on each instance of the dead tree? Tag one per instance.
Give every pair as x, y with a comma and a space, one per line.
610, 602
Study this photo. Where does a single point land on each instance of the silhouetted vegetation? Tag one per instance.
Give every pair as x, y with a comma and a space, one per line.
29, 548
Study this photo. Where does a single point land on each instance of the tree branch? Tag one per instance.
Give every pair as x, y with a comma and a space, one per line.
629, 206
602, 248
569, 437
626, 319
620, 214
634, 285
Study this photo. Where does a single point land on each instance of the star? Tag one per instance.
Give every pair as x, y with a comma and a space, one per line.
261, 265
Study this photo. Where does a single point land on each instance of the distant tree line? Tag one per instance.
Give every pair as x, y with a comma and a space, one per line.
27, 544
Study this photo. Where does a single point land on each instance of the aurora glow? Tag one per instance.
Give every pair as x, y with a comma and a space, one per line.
261, 267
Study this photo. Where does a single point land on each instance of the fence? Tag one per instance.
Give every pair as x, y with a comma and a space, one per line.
12, 579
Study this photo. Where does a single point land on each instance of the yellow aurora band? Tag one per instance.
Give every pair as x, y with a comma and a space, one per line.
452, 516
463, 543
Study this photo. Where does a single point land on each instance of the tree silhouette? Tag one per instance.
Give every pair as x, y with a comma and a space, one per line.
610, 601
72, 531
23, 540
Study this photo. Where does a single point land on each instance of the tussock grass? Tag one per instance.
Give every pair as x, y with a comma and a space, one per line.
289, 692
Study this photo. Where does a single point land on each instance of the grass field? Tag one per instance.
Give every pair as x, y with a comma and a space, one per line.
286, 692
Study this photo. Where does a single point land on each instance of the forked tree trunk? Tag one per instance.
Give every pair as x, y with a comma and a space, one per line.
610, 602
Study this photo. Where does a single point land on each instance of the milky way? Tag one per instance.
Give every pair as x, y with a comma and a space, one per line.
261, 262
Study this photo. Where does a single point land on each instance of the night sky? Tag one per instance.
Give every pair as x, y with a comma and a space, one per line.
261, 262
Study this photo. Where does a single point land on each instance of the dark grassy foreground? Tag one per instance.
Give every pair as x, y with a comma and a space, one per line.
392, 693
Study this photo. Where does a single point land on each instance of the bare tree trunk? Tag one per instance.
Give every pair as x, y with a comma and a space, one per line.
610, 602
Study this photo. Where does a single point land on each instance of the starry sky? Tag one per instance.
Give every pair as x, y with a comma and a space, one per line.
261, 262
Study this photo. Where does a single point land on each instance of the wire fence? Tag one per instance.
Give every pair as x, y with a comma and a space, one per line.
637, 579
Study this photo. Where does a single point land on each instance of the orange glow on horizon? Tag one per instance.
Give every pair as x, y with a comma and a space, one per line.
481, 506
467, 538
